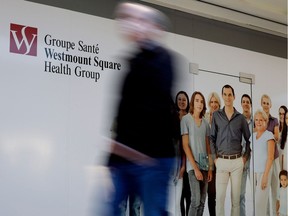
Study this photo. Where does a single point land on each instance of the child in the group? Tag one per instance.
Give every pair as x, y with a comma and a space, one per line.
195, 132
282, 210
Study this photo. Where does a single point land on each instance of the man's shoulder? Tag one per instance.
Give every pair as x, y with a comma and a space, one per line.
164, 52
219, 112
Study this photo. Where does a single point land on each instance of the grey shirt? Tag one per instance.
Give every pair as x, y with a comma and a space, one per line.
197, 141
226, 135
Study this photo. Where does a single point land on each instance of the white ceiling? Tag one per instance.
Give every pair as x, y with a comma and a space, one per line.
268, 16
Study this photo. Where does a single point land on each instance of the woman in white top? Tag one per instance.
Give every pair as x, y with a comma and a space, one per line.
263, 156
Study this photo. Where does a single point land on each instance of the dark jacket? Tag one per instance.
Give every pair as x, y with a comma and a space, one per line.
145, 120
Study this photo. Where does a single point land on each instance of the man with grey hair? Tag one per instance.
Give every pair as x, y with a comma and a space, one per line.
142, 154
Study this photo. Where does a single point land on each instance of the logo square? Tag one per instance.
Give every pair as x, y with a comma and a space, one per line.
23, 39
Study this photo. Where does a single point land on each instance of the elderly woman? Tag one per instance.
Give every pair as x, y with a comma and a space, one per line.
262, 157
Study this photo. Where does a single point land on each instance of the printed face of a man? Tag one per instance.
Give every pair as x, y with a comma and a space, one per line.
246, 105
228, 96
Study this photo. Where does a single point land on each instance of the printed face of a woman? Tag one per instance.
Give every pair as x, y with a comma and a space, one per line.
182, 101
198, 103
260, 122
214, 105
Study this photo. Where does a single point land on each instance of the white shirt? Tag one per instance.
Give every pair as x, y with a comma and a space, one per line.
260, 150
283, 201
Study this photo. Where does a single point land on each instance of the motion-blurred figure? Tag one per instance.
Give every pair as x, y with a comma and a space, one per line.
142, 153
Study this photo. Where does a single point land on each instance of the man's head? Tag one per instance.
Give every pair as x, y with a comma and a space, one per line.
228, 95
139, 22
246, 103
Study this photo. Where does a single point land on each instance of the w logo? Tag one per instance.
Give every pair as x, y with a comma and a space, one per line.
23, 39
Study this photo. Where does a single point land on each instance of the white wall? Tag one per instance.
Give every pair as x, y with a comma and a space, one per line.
52, 124
270, 72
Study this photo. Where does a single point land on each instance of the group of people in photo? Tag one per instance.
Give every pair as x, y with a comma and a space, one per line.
210, 143
218, 144
217, 147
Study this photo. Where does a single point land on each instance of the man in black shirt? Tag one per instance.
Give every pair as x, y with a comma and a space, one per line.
143, 152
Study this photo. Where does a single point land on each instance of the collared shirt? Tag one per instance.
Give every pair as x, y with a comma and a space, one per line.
226, 135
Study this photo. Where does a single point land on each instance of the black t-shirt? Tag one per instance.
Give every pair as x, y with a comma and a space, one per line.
145, 120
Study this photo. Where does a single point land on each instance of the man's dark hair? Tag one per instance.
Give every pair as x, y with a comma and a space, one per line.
228, 86
283, 173
247, 96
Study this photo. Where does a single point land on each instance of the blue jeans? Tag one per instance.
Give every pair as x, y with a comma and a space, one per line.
243, 187
150, 183
198, 193
134, 205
